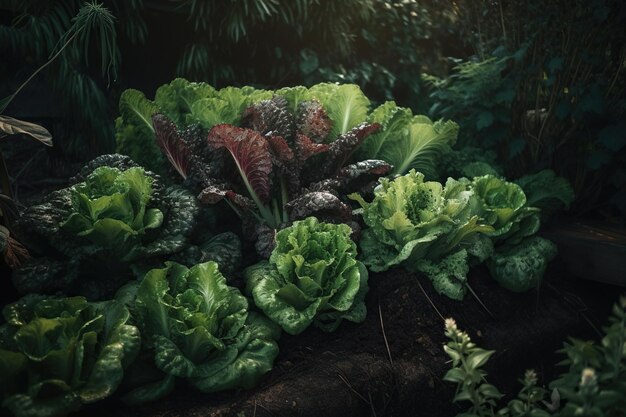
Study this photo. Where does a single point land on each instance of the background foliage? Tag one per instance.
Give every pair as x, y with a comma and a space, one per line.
541, 85
544, 88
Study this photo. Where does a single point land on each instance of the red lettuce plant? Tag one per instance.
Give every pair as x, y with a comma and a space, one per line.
277, 167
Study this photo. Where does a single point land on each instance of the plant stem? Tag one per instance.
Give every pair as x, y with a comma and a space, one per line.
38, 70
4, 178
276, 211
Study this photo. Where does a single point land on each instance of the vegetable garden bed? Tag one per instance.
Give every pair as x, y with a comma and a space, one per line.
161, 296
363, 371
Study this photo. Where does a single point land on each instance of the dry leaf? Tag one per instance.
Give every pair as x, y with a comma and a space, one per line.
11, 126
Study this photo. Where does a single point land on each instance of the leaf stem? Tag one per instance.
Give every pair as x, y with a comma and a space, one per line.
266, 213
285, 199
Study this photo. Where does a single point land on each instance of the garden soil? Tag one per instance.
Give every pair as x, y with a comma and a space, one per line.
393, 363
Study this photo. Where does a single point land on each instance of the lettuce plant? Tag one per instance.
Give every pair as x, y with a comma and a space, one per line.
502, 205
113, 219
57, 354
441, 230
110, 209
322, 113
312, 277
198, 328
285, 168
520, 267
410, 218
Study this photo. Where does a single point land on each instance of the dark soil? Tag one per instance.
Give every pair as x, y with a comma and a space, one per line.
352, 372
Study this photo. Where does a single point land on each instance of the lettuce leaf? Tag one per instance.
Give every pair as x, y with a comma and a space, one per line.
176, 99
547, 191
522, 266
421, 148
345, 104
408, 142
134, 134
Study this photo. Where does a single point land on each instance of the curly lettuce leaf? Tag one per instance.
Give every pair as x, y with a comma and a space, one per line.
294, 96
449, 275
395, 122
110, 209
176, 99
93, 234
225, 106
405, 219
503, 205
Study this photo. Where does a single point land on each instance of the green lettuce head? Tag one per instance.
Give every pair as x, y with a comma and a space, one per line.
502, 204
59, 353
410, 219
111, 209
197, 327
312, 277
112, 224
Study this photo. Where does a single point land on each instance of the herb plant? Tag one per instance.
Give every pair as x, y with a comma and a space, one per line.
312, 277
593, 384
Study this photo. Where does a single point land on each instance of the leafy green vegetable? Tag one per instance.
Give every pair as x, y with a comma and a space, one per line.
198, 328
408, 142
110, 209
322, 113
94, 233
520, 268
547, 191
449, 276
134, 134
59, 353
502, 204
185, 103
410, 219
345, 104
177, 98
442, 230
312, 277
